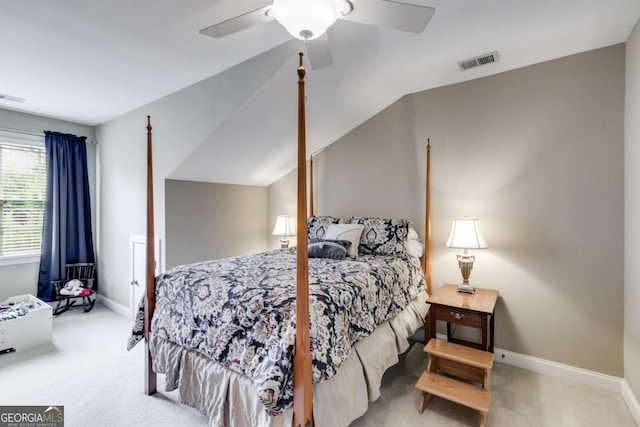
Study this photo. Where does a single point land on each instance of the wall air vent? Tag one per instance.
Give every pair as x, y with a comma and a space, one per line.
5, 97
478, 60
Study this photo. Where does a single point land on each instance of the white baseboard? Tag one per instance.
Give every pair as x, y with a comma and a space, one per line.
631, 401
547, 367
114, 306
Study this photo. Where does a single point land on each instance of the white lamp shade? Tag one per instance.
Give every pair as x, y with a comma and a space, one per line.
305, 19
465, 234
284, 226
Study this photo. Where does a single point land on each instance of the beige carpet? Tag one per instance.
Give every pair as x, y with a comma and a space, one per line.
87, 369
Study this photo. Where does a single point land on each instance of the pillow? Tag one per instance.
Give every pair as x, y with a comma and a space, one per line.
324, 248
317, 225
413, 234
382, 236
414, 245
415, 248
349, 232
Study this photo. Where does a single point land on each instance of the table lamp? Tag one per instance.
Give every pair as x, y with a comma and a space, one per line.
465, 234
285, 227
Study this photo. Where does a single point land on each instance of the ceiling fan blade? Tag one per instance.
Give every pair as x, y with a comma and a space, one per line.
390, 14
238, 23
319, 52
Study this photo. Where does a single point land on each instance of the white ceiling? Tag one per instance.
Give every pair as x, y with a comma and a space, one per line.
91, 61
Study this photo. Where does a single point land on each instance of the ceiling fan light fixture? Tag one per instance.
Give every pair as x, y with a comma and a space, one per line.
345, 7
305, 19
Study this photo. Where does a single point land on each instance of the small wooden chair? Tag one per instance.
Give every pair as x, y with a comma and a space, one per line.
85, 273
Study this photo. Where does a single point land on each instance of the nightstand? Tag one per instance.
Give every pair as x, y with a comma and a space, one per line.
475, 310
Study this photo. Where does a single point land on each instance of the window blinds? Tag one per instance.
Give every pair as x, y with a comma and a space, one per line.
23, 178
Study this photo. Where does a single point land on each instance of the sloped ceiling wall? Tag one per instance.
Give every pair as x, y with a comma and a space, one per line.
374, 67
180, 121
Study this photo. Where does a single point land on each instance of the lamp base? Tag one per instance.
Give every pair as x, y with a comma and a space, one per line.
466, 288
465, 262
284, 244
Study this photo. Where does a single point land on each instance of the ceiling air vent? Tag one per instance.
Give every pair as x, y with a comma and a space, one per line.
5, 97
478, 60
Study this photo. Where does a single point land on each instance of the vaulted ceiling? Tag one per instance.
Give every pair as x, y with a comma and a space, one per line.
89, 62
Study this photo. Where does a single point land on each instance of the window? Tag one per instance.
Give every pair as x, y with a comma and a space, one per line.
23, 178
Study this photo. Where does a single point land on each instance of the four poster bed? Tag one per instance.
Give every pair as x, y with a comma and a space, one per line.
292, 336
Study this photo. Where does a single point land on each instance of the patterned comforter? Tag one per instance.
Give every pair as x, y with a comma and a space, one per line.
241, 312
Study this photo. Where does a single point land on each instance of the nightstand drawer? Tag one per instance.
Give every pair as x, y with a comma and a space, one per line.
459, 317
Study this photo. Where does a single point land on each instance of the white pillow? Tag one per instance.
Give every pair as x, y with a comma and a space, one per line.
413, 234
350, 232
415, 247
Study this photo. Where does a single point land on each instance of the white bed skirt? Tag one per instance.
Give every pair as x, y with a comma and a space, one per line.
230, 400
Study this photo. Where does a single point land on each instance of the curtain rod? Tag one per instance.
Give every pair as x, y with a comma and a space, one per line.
31, 133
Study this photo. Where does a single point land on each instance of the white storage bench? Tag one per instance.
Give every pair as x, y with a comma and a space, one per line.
33, 328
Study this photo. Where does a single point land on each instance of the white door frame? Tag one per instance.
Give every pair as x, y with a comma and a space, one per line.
135, 277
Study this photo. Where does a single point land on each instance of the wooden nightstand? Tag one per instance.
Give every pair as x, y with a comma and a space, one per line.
473, 310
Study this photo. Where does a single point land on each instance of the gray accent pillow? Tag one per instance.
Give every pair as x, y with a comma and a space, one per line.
325, 248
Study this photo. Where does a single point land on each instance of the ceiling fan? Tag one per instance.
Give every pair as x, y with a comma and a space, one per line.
309, 20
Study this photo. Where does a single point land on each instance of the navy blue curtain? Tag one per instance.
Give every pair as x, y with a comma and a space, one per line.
66, 235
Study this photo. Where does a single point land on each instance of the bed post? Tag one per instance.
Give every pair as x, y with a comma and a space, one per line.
302, 392
150, 295
311, 185
429, 322
427, 221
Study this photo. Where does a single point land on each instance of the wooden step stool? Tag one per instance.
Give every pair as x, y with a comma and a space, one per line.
464, 363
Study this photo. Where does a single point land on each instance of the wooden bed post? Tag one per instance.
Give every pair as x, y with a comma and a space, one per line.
429, 322
302, 391
427, 222
311, 186
150, 295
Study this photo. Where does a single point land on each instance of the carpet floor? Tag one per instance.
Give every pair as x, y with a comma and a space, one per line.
87, 369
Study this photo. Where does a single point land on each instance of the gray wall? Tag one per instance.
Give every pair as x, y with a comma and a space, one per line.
207, 221
632, 214
375, 170
23, 278
537, 155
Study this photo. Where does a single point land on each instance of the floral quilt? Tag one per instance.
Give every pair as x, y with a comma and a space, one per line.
241, 312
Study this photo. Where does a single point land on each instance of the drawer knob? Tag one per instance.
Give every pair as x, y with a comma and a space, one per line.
457, 316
